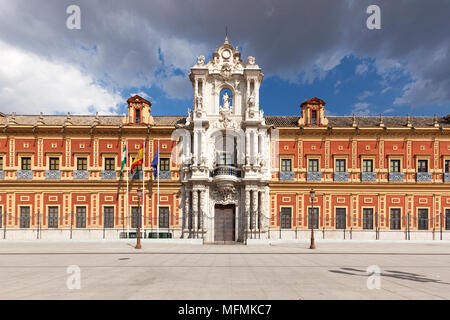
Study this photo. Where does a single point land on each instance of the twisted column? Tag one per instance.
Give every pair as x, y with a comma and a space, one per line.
194, 209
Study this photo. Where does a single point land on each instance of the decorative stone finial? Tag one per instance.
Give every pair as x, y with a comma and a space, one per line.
408, 121
381, 124
435, 121
354, 121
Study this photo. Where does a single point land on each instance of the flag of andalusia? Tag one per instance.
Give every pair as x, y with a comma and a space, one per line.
124, 159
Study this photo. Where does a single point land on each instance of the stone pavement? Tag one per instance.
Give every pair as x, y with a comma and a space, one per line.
115, 270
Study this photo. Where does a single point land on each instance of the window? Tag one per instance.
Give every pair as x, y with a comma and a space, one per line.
367, 218
134, 217
110, 164
81, 217
285, 218
54, 163
137, 118
81, 163
340, 218
368, 165
447, 219
1, 163
395, 219
1, 217
395, 165
26, 163
422, 166
138, 167
24, 217
314, 117
313, 165
164, 215
108, 214
422, 219
53, 217
286, 165
164, 164
340, 165
447, 166
316, 218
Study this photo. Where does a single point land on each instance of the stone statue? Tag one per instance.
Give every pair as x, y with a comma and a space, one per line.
225, 100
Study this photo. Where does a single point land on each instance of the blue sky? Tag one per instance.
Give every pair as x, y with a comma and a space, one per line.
317, 48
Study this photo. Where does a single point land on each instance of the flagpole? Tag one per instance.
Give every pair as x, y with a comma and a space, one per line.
128, 205
143, 188
157, 200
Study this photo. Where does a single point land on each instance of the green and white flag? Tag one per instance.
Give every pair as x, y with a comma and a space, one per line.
124, 159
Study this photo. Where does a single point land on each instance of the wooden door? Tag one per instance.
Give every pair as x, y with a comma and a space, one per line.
224, 226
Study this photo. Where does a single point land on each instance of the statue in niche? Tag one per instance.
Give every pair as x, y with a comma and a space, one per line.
226, 100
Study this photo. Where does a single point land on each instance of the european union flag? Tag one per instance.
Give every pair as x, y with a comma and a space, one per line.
155, 163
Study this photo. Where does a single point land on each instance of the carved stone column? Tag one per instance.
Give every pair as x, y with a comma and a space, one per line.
187, 201
195, 147
194, 209
247, 209
247, 147
255, 146
261, 210
254, 208
201, 211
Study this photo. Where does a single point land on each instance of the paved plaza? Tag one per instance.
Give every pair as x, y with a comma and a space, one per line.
115, 270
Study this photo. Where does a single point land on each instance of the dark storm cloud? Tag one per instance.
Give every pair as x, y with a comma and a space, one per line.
121, 41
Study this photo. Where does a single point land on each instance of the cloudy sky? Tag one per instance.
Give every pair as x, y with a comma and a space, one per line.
305, 48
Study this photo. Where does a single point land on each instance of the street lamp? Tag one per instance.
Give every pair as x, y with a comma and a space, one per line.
138, 244
312, 194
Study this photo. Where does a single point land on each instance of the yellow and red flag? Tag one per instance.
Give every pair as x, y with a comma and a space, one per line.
138, 160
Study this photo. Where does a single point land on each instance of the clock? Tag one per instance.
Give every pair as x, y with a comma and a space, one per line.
226, 54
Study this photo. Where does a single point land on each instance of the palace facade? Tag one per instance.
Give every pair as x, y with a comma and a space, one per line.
227, 172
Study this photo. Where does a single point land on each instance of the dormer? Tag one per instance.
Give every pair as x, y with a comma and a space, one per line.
139, 110
313, 113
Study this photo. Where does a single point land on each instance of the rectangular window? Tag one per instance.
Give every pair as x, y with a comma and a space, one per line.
341, 218
138, 167
24, 217
137, 119
26, 163
54, 163
110, 164
286, 165
368, 165
108, 214
395, 166
164, 215
285, 218
81, 217
1, 217
367, 218
447, 166
313, 165
447, 219
422, 216
1, 163
316, 218
164, 164
53, 217
134, 217
81, 163
340, 165
395, 219
313, 117
422, 166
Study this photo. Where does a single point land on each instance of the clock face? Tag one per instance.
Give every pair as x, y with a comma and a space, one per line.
226, 54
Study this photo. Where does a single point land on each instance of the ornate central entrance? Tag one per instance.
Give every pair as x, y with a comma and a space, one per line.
224, 223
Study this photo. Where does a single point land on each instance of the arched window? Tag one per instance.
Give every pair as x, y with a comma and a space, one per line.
226, 98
